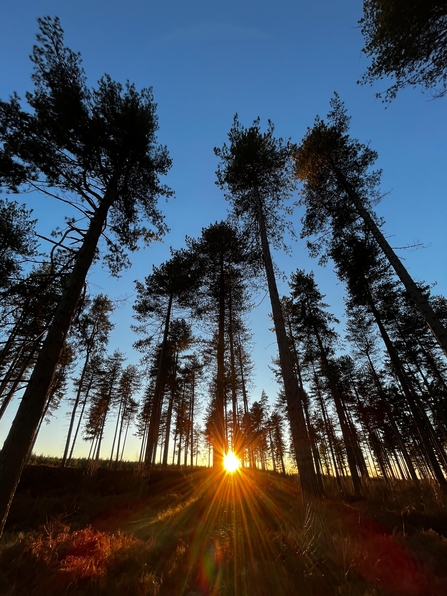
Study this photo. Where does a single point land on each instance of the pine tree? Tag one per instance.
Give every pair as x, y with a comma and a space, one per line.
255, 172
99, 148
339, 188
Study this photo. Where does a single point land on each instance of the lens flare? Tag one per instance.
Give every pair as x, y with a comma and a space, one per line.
231, 462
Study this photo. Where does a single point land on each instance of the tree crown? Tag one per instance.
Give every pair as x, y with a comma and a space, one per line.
257, 162
406, 40
326, 154
94, 144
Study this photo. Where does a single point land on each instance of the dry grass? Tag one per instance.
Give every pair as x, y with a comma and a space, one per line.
203, 534
57, 561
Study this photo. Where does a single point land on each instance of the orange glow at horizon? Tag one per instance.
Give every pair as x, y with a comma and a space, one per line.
231, 462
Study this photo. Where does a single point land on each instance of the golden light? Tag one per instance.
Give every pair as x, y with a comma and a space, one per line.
231, 462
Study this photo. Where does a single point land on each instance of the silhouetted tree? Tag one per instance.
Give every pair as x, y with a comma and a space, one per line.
129, 384
32, 306
92, 334
309, 315
106, 396
339, 188
406, 40
255, 172
170, 285
18, 242
222, 258
99, 147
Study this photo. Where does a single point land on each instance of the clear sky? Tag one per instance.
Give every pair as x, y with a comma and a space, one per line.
208, 60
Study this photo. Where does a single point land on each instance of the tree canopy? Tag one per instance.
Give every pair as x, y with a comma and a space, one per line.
17, 240
407, 41
83, 145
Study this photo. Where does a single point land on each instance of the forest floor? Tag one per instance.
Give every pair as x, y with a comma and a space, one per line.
196, 532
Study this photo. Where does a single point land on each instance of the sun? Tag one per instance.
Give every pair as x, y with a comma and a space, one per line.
231, 462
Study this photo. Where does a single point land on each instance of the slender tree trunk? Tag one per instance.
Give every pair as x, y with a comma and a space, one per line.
315, 452
397, 433
90, 452
101, 433
125, 439
78, 426
336, 396
26, 364
327, 428
168, 428
272, 449
241, 367
300, 437
418, 298
360, 457
120, 434
21, 436
9, 348
235, 438
75, 405
220, 443
423, 431
154, 422
191, 417
115, 434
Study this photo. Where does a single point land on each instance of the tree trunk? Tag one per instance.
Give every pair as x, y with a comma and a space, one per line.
315, 452
327, 428
397, 433
235, 436
168, 428
220, 444
423, 431
78, 426
115, 434
336, 396
301, 443
154, 422
78, 396
192, 413
27, 361
21, 436
418, 298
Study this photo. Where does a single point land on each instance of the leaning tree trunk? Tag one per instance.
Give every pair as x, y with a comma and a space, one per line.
23, 430
418, 298
327, 428
27, 361
346, 431
78, 426
392, 421
316, 455
75, 406
300, 437
423, 430
169, 416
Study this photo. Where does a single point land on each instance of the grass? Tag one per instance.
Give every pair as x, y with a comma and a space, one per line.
197, 533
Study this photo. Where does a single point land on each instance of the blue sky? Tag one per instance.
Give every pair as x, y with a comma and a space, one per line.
206, 61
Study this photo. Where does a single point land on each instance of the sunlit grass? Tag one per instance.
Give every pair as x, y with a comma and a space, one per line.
217, 533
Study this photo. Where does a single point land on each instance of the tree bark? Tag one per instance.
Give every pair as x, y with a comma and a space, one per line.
422, 429
220, 443
21, 436
154, 422
418, 298
301, 442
